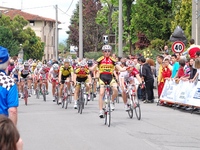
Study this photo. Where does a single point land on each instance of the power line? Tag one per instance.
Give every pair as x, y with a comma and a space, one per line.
69, 6
38, 7
63, 12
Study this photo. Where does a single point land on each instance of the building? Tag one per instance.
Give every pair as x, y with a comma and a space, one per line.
43, 27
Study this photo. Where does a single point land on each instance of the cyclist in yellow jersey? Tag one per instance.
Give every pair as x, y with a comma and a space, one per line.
65, 73
81, 74
106, 65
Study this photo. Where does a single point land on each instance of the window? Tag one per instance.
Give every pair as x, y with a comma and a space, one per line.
32, 23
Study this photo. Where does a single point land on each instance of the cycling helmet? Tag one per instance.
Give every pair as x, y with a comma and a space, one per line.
44, 67
106, 47
130, 63
34, 64
48, 64
83, 63
66, 60
90, 63
55, 67
26, 64
17, 67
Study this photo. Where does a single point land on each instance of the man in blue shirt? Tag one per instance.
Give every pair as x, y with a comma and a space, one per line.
175, 65
8, 89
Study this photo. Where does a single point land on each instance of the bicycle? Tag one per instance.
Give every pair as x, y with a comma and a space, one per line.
44, 89
56, 94
37, 91
82, 97
65, 95
107, 108
25, 91
92, 88
133, 102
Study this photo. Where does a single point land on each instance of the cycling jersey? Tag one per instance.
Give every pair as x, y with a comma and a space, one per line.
53, 74
24, 73
66, 72
82, 73
106, 65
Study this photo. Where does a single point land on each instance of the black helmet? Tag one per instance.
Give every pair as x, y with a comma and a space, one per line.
90, 63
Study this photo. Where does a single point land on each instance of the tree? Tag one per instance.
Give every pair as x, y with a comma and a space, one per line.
7, 40
183, 18
152, 18
91, 30
14, 33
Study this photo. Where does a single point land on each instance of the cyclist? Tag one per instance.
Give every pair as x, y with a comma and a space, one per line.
14, 75
81, 74
43, 76
106, 65
65, 73
128, 76
53, 75
36, 76
23, 74
93, 75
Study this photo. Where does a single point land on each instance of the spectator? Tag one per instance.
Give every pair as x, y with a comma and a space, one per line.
182, 74
193, 71
141, 91
166, 73
11, 66
160, 79
192, 49
148, 79
9, 137
175, 65
166, 50
197, 54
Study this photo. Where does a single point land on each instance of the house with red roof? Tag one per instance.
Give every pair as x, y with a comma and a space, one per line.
43, 27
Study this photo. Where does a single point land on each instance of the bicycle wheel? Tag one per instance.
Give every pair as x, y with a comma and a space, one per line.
136, 106
66, 97
130, 111
25, 95
44, 92
56, 94
105, 116
37, 93
109, 115
86, 99
91, 96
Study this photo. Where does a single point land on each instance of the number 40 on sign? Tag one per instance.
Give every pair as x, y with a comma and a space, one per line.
178, 47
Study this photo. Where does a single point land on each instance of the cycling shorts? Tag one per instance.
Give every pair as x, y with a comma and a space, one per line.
63, 78
106, 79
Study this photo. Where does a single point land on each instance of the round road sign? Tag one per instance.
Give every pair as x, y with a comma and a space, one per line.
178, 47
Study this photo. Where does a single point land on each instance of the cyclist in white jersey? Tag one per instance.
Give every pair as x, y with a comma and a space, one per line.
53, 75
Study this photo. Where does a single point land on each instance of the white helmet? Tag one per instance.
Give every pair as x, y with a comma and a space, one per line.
39, 66
83, 63
66, 61
26, 64
106, 47
130, 63
55, 67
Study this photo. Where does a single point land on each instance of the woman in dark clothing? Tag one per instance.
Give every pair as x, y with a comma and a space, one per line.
148, 79
193, 71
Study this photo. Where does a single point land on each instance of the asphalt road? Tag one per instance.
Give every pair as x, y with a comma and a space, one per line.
46, 126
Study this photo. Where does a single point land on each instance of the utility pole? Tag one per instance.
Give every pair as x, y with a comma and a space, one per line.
80, 29
56, 34
120, 50
195, 22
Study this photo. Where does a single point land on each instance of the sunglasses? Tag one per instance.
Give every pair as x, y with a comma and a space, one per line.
107, 51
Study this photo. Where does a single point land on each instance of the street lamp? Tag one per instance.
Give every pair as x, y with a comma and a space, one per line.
21, 53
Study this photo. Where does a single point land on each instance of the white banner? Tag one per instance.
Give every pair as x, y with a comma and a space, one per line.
182, 93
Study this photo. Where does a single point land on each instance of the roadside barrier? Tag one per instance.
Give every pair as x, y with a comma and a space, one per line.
183, 93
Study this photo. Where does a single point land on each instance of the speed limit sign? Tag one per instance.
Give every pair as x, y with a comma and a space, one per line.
178, 47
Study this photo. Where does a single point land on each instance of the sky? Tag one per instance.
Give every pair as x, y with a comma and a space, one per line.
45, 8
